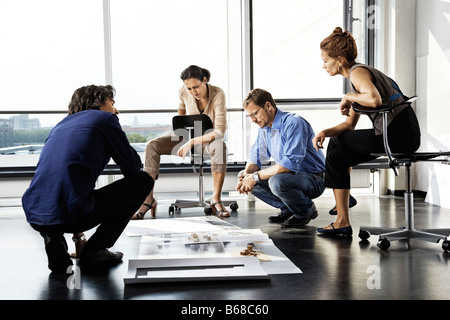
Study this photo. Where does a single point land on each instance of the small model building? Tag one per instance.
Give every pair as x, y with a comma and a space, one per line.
249, 251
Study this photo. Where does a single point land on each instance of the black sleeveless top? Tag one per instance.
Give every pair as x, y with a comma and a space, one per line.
390, 95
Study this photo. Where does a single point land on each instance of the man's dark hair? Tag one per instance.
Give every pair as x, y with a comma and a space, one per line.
90, 97
259, 97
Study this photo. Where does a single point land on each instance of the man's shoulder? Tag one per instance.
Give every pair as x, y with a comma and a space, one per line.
93, 115
291, 117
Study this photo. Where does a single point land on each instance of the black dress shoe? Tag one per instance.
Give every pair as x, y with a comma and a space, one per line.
281, 217
57, 255
99, 258
295, 222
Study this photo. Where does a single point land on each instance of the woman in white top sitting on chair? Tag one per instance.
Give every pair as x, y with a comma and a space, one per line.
197, 96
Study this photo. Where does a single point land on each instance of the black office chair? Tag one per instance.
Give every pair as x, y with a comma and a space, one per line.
188, 127
396, 160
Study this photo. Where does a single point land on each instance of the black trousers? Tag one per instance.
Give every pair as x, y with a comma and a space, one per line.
355, 146
115, 204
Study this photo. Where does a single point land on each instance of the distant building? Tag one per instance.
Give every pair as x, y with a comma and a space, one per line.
6, 133
158, 129
22, 121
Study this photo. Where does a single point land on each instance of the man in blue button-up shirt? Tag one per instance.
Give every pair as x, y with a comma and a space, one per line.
297, 175
62, 197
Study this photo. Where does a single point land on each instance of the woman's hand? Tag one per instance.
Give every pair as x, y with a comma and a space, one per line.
345, 106
318, 140
185, 148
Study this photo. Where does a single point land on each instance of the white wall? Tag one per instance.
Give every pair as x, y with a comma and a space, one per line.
396, 41
415, 51
433, 89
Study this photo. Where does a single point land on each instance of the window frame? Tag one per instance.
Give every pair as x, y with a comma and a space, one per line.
246, 67
348, 19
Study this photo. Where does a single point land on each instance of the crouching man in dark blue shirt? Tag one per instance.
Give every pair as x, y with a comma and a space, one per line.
61, 197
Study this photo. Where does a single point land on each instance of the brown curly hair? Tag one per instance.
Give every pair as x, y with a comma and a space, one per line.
340, 44
90, 97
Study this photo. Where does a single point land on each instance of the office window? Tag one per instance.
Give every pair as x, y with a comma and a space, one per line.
49, 48
286, 53
52, 47
154, 41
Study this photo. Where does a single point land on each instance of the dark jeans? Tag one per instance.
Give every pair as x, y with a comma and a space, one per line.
355, 146
115, 204
290, 192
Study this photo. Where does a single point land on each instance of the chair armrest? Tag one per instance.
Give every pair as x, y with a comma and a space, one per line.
359, 108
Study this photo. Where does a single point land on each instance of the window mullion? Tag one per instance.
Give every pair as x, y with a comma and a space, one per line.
107, 41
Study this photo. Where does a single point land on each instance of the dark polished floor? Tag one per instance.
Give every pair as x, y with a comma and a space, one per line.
333, 268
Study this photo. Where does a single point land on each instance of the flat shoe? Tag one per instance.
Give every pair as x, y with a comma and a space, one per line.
345, 231
351, 203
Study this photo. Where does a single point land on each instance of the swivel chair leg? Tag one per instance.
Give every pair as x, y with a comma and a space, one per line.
386, 235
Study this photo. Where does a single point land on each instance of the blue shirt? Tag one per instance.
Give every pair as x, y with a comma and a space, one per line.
75, 153
289, 143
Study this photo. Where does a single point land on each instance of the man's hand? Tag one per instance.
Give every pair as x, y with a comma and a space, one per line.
245, 183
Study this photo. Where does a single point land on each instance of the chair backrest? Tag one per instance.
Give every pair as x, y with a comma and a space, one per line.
359, 108
196, 124
393, 161
192, 126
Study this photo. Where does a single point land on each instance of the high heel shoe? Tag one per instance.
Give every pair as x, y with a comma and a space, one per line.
152, 206
219, 212
79, 245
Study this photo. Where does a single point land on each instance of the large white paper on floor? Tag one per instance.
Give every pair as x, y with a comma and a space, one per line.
193, 269
216, 244
169, 240
176, 225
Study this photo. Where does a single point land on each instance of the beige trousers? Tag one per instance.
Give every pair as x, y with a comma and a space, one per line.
169, 145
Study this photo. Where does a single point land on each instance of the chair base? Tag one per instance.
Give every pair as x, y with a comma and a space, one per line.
180, 204
408, 232
386, 235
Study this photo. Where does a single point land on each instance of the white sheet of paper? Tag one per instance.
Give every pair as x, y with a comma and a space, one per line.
215, 244
193, 269
204, 238
176, 225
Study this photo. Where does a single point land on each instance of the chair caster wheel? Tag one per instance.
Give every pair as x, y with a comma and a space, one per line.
446, 245
234, 206
208, 211
364, 234
383, 244
174, 209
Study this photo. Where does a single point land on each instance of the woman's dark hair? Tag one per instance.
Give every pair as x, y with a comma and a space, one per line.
90, 97
340, 44
195, 72
259, 97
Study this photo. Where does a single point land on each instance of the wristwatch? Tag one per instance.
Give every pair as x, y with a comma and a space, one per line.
256, 176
